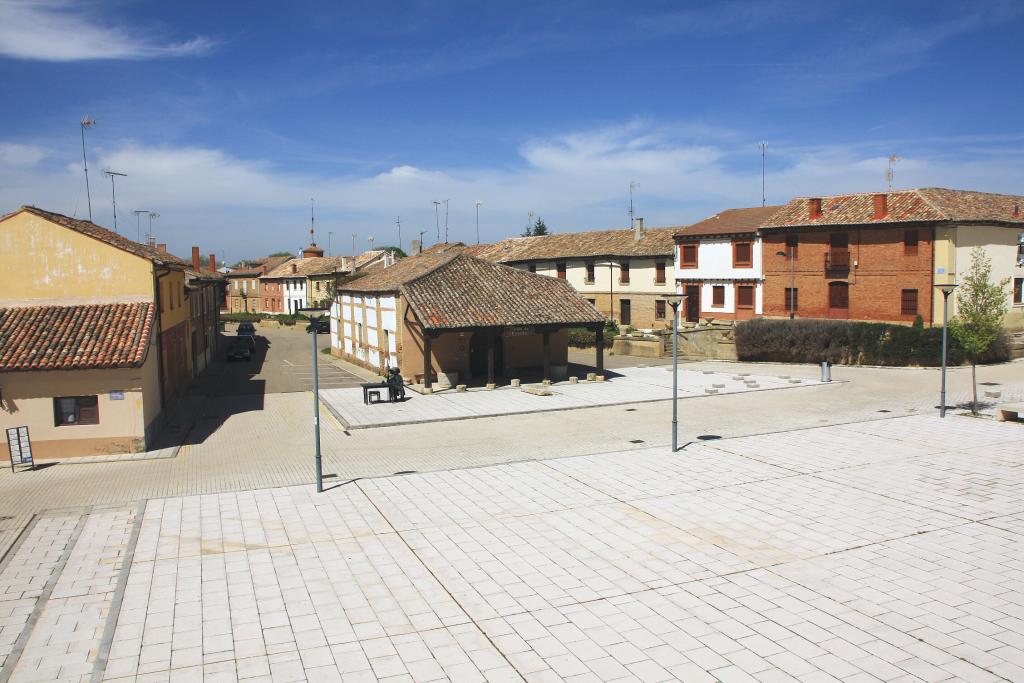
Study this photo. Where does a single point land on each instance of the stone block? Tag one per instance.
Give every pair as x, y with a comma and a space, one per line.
598, 378
992, 393
460, 388
515, 382
591, 376
707, 372
574, 380
710, 391
795, 381
546, 383
490, 386
536, 390
716, 385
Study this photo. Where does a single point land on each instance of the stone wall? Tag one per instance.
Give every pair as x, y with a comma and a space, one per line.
704, 342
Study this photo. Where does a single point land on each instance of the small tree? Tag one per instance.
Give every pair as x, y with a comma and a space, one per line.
280, 253
981, 305
536, 229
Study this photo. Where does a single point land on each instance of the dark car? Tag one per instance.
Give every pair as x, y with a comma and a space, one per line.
247, 331
239, 348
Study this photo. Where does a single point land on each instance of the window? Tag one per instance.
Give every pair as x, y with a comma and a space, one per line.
908, 302
689, 255
745, 296
624, 273
659, 273
560, 267
625, 312
1018, 290
718, 295
793, 246
910, 243
590, 272
532, 267
659, 309
742, 254
76, 410
592, 302
792, 299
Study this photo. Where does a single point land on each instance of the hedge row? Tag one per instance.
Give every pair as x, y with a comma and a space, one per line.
283, 318
852, 343
582, 338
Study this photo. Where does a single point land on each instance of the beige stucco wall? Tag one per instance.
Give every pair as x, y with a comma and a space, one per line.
953, 248
41, 260
28, 400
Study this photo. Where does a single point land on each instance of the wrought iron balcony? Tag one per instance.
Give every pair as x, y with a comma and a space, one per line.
837, 260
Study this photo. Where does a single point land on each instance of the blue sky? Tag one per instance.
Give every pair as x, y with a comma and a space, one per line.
229, 117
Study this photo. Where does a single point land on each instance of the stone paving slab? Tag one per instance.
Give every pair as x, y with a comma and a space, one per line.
635, 385
729, 560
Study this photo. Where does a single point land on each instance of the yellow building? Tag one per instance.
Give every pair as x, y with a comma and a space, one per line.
53, 267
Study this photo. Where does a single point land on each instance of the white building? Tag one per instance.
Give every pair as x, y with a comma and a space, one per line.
718, 265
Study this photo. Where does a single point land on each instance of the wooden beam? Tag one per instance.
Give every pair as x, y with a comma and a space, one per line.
427, 339
490, 358
547, 355
599, 350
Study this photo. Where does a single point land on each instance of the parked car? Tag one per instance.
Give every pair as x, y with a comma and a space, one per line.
247, 331
239, 349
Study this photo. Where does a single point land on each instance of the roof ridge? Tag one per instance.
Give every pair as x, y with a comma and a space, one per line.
453, 255
931, 205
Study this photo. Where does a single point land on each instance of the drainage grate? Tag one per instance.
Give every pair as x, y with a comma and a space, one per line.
637, 441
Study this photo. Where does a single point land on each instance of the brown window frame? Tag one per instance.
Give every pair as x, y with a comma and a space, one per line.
736, 262
591, 275
904, 299
753, 297
659, 309
683, 263
561, 269
625, 312
623, 272
89, 404
718, 296
659, 272
1018, 291
910, 242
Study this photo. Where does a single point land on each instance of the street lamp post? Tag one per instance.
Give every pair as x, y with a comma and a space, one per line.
315, 316
478, 205
946, 290
675, 301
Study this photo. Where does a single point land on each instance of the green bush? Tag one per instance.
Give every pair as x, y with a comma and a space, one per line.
851, 343
582, 338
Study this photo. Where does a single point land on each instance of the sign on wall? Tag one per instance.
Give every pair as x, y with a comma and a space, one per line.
20, 447
518, 331
116, 395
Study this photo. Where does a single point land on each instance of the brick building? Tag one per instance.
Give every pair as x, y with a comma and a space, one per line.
877, 256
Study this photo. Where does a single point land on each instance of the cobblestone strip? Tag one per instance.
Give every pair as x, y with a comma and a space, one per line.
18, 581
103, 654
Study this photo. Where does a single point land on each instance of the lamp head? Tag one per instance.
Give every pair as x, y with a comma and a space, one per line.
947, 288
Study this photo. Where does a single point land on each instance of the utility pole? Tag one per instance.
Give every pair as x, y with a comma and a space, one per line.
764, 149
422, 233
632, 186
478, 204
398, 222
113, 194
353, 251
529, 222
446, 221
330, 237
86, 122
890, 173
437, 220
138, 224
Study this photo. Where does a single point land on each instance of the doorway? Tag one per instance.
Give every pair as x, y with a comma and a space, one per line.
478, 355
692, 303
839, 300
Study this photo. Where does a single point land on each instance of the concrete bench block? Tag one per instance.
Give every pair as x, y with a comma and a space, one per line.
546, 383
795, 381
515, 382
1009, 411
460, 388
718, 386
574, 380
536, 390
490, 386
783, 376
710, 391
591, 376
992, 393
707, 372
743, 374
753, 385
598, 378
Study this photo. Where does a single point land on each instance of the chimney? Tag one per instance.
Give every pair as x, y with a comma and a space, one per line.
195, 259
814, 207
161, 248
638, 229
294, 268
417, 247
213, 263
881, 206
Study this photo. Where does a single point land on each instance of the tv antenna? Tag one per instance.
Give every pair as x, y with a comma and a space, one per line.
371, 238
138, 224
446, 221
890, 172
113, 194
478, 205
437, 220
152, 215
312, 235
353, 250
632, 186
398, 222
86, 122
764, 149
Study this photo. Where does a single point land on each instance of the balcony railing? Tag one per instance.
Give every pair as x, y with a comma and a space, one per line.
837, 259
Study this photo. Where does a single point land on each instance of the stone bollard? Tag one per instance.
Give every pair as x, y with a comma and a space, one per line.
707, 372
490, 386
574, 380
718, 386
992, 393
516, 382
711, 391
753, 385
546, 383
428, 391
598, 378
795, 381
460, 388
591, 376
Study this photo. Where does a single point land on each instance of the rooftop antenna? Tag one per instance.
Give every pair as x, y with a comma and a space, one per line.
764, 149
330, 238
478, 205
371, 238
398, 222
113, 194
138, 224
152, 215
632, 186
529, 222
890, 172
312, 236
422, 233
353, 249
437, 220
87, 123
446, 221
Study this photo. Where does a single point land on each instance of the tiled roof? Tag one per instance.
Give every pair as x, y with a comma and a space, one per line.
108, 236
368, 257
392, 278
729, 222
75, 337
903, 206
464, 291
596, 244
314, 265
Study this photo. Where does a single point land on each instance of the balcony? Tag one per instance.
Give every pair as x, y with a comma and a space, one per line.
837, 261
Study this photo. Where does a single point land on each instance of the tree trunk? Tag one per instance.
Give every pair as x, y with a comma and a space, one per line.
974, 385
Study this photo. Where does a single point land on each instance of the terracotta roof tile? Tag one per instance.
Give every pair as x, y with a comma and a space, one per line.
390, 279
903, 206
108, 236
75, 337
595, 244
314, 265
729, 222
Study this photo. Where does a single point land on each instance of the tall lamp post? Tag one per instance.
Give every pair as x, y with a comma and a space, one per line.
675, 301
946, 290
316, 321
478, 205
792, 279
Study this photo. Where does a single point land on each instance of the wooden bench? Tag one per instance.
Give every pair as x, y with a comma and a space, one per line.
1009, 411
372, 385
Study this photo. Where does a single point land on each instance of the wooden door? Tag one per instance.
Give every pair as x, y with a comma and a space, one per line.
839, 300
692, 303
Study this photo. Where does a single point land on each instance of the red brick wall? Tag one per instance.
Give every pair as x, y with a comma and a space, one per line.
875, 285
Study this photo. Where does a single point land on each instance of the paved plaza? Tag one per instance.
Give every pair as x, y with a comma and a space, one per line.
889, 550
629, 385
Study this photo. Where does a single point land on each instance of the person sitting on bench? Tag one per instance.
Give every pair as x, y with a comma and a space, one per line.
396, 385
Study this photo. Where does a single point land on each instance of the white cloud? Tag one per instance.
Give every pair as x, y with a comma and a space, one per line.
575, 181
63, 31
14, 155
